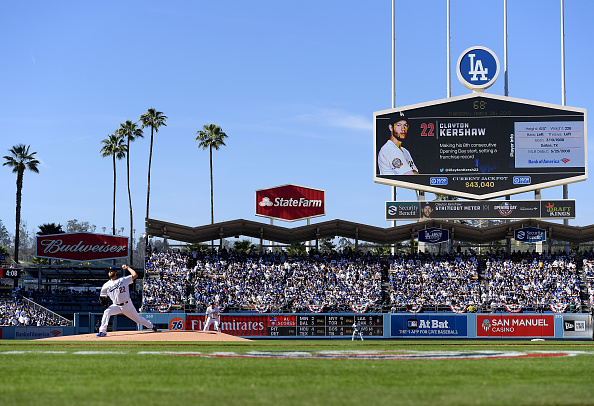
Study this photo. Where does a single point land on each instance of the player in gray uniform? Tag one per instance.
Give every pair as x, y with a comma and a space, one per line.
118, 291
212, 317
357, 330
393, 158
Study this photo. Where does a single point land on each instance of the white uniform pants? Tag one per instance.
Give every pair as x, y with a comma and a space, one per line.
355, 333
128, 309
210, 321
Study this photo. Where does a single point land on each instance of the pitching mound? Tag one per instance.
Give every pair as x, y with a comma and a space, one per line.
147, 335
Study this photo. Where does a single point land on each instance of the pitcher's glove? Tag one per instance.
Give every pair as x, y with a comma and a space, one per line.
104, 301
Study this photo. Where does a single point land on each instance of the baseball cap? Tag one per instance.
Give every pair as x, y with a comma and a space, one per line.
112, 268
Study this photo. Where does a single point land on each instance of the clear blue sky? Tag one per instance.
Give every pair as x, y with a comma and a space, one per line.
293, 84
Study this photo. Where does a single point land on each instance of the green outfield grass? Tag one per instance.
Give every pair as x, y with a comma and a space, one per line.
38, 373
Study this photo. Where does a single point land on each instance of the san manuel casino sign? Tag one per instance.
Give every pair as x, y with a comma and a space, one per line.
82, 246
290, 202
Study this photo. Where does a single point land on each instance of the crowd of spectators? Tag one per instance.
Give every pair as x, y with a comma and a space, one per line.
449, 280
166, 277
588, 272
274, 281
243, 281
532, 281
339, 281
16, 312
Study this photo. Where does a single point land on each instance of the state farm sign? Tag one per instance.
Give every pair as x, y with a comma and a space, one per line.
290, 202
82, 246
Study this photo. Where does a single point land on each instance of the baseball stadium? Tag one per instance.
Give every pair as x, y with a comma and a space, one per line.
462, 283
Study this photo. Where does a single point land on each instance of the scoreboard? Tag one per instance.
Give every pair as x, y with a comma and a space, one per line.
324, 325
480, 146
10, 273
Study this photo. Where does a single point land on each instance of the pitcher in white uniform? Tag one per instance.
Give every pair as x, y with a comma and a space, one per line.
118, 290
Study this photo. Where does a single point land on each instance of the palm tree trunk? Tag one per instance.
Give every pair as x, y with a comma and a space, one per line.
17, 237
130, 259
211, 192
148, 187
114, 194
211, 198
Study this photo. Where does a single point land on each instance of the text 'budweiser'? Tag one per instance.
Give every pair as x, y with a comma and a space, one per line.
53, 246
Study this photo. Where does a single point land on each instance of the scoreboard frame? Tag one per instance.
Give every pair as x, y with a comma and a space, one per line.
329, 325
483, 146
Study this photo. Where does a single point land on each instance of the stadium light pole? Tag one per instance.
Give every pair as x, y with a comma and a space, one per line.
563, 100
394, 192
448, 51
505, 91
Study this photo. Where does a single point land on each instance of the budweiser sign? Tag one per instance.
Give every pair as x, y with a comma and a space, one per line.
290, 202
82, 246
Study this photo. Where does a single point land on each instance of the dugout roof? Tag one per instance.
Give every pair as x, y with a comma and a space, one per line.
360, 232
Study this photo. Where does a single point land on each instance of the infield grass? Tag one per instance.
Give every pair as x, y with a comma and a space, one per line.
70, 373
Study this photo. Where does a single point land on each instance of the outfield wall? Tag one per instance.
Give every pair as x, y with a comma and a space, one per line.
393, 325
34, 333
570, 326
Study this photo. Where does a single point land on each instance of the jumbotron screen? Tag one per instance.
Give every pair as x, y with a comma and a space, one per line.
480, 146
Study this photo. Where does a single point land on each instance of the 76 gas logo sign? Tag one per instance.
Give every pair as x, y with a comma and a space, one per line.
177, 323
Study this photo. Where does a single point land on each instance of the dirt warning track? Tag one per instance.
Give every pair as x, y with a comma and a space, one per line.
147, 335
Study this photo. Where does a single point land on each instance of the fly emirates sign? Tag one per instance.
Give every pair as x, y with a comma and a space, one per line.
290, 202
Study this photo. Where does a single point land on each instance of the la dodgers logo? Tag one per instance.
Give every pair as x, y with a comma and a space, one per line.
478, 68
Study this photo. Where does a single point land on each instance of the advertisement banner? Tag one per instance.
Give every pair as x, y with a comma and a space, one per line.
433, 235
557, 209
515, 326
530, 234
34, 333
290, 202
301, 325
233, 324
403, 210
481, 209
82, 246
577, 326
429, 326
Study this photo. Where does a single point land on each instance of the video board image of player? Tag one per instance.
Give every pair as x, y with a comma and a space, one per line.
480, 146
393, 157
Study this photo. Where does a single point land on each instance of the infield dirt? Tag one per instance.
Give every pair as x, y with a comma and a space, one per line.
183, 335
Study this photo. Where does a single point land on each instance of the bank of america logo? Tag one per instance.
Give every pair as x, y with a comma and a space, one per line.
565, 160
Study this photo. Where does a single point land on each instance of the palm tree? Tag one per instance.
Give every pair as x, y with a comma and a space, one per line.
50, 228
20, 159
153, 119
115, 147
211, 136
130, 131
